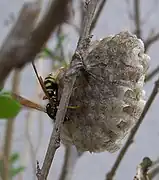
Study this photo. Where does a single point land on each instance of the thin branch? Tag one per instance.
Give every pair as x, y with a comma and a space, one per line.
133, 131
68, 86
63, 175
137, 18
9, 129
82, 13
98, 13
151, 40
30, 143
17, 38
70, 159
23, 43
128, 8
152, 74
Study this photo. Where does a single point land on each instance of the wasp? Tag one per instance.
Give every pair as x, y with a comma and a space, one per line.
51, 86
52, 89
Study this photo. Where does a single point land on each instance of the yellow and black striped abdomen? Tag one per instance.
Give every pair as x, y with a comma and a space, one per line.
51, 86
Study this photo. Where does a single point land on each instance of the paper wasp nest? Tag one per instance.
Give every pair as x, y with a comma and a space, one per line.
110, 95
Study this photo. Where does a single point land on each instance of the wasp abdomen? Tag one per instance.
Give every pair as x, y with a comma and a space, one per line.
51, 86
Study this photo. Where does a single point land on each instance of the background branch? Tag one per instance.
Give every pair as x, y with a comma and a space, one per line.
151, 74
98, 13
23, 43
82, 49
70, 159
9, 129
17, 39
151, 40
137, 18
129, 141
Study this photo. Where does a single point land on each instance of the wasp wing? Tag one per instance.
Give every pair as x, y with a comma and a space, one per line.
27, 103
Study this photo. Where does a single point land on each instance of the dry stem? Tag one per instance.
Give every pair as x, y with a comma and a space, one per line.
70, 159
55, 136
151, 40
98, 13
25, 41
137, 18
152, 74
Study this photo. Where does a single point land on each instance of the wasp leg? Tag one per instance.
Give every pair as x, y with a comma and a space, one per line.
51, 111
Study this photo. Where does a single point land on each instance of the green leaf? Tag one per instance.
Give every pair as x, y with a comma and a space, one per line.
9, 107
47, 52
14, 157
15, 171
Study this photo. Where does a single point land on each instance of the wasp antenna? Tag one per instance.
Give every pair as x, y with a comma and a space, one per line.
36, 72
41, 83
39, 79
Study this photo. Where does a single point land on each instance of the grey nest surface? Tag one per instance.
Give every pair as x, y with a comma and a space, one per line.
109, 97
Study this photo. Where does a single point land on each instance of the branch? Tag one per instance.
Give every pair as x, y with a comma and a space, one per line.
68, 86
97, 14
70, 159
64, 172
151, 74
17, 39
23, 43
133, 131
137, 18
151, 40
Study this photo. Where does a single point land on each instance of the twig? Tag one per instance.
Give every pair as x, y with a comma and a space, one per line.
152, 74
82, 13
137, 18
68, 86
70, 159
9, 130
128, 8
97, 14
64, 172
128, 142
30, 143
23, 43
151, 40
17, 38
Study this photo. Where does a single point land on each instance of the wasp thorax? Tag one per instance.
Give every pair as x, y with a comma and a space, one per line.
110, 95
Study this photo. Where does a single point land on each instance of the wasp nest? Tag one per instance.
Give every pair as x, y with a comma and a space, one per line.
110, 95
